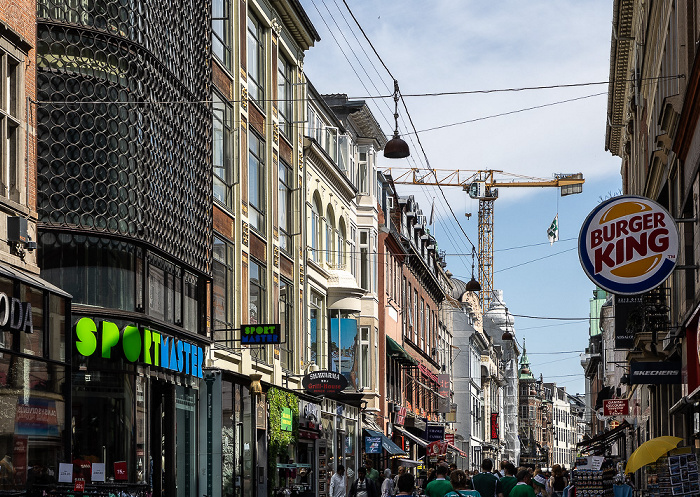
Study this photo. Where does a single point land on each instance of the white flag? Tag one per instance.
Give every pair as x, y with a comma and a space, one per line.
553, 230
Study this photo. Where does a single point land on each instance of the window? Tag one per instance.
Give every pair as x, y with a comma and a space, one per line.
284, 200
422, 324
316, 322
221, 31
10, 99
256, 181
341, 245
222, 136
362, 173
285, 95
330, 237
222, 292
365, 358
353, 253
258, 293
316, 231
364, 260
256, 62
414, 335
287, 323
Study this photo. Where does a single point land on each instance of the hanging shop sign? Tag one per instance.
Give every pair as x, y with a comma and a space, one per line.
324, 382
655, 373
628, 245
138, 345
373, 445
15, 314
494, 425
286, 419
629, 319
400, 416
436, 448
434, 432
616, 407
261, 333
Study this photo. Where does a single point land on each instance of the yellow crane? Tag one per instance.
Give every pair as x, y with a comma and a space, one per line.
483, 186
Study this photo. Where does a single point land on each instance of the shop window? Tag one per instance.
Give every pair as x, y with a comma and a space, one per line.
287, 323
222, 147
186, 433
256, 181
223, 293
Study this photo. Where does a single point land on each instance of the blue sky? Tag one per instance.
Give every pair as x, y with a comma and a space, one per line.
461, 45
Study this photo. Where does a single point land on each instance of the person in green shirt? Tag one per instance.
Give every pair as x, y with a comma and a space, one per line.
372, 474
440, 485
522, 488
486, 483
509, 480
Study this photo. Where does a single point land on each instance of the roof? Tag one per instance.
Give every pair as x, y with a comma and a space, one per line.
297, 22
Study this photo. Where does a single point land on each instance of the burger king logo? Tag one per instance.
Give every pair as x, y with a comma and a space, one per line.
628, 245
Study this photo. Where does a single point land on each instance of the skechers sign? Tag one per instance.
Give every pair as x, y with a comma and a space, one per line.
628, 245
149, 347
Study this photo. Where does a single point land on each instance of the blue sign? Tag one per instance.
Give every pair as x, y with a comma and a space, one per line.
373, 445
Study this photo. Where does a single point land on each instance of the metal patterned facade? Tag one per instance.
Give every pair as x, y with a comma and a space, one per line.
124, 122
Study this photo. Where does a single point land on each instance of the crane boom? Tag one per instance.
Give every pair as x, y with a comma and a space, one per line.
483, 185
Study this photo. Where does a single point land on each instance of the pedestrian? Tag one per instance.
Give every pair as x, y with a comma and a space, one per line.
509, 480
337, 488
387, 484
440, 485
523, 488
406, 484
486, 483
558, 482
372, 473
502, 472
459, 482
539, 485
402, 470
363, 486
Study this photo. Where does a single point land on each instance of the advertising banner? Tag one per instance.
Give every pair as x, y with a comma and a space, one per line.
629, 319
494, 425
616, 407
655, 373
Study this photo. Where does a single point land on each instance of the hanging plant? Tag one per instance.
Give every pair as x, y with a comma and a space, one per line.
280, 439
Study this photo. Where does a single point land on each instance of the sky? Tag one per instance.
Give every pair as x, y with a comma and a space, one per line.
464, 46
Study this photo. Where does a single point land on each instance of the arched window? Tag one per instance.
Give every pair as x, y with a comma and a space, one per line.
330, 236
316, 231
342, 263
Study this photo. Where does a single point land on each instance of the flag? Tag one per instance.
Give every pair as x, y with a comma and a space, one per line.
432, 213
553, 230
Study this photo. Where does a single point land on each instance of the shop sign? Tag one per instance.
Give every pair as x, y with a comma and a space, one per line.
400, 416
494, 425
120, 472
261, 333
427, 373
655, 373
15, 314
286, 419
373, 445
616, 407
613, 424
628, 245
434, 432
450, 438
38, 417
629, 319
145, 346
324, 382
436, 448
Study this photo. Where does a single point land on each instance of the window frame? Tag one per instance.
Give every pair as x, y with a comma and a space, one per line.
255, 38
286, 319
12, 94
256, 159
227, 264
285, 95
223, 118
222, 35
285, 209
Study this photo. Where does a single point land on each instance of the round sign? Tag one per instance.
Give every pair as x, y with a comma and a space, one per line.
628, 245
324, 382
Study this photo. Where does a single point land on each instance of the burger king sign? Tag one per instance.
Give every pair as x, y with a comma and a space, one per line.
628, 245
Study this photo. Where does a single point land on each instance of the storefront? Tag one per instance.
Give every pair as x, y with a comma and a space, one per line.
338, 442
34, 380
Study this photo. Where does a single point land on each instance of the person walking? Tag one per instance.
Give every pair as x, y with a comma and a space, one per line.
508, 481
539, 485
372, 473
486, 483
387, 484
363, 486
440, 485
402, 470
523, 488
459, 480
558, 482
406, 484
337, 488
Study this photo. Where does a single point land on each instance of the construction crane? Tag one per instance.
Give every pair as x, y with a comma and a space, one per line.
483, 186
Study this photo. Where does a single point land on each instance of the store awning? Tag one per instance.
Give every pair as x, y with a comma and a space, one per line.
456, 450
398, 353
32, 280
600, 442
387, 444
411, 436
408, 463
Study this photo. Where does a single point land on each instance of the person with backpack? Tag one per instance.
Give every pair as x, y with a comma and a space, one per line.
486, 483
459, 481
558, 482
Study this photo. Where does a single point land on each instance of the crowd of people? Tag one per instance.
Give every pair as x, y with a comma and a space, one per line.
445, 480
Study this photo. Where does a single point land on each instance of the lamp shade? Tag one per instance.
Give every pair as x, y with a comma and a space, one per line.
396, 148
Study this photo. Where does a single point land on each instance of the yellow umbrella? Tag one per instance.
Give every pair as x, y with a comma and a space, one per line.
650, 451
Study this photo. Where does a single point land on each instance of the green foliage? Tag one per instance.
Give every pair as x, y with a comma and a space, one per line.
280, 440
